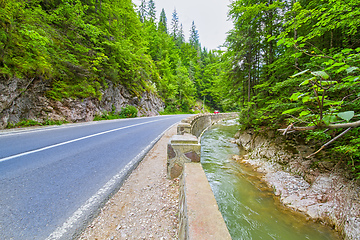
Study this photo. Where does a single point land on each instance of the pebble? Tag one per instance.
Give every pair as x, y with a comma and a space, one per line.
144, 208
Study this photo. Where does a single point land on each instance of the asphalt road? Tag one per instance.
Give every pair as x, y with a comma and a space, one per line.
53, 180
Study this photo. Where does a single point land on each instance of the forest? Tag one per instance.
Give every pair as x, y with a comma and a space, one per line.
295, 68
289, 65
78, 44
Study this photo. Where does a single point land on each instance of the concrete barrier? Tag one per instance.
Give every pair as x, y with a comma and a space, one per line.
197, 124
199, 216
181, 149
185, 146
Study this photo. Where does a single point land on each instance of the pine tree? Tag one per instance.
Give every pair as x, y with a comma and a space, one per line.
181, 36
151, 11
175, 25
142, 11
194, 37
163, 22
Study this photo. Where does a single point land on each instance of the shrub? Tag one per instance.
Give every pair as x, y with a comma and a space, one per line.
128, 112
106, 116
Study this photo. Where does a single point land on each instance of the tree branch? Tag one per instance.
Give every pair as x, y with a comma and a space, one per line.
287, 129
344, 125
330, 126
331, 141
312, 55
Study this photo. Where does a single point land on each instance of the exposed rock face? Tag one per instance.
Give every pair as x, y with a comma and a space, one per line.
323, 193
26, 99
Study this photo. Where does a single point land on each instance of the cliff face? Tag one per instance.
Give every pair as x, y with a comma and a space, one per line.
319, 188
26, 99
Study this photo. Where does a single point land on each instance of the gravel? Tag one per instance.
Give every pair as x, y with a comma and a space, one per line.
146, 206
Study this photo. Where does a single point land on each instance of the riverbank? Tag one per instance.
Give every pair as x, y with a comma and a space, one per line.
319, 189
146, 206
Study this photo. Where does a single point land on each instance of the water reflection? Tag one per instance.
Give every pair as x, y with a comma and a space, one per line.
249, 208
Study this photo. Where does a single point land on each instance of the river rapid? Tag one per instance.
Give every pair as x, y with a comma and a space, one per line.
249, 207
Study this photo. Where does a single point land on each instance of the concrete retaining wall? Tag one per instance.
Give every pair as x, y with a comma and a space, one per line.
199, 123
199, 216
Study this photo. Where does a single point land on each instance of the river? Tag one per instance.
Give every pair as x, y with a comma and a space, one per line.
249, 207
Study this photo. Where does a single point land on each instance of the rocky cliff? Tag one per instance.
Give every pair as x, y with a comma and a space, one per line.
321, 189
26, 99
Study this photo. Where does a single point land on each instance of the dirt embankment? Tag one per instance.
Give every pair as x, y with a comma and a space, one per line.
321, 189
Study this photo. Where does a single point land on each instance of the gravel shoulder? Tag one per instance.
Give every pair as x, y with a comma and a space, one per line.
146, 206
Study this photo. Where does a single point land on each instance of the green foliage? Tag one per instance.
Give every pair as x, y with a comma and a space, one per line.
163, 22
30, 123
194, 36
107, 116
286, 61
54, 122
25, 123
181, 78
125, 112
172, 111
82, 89
304, 72
77, 46
349, 147
320, 96
128, 112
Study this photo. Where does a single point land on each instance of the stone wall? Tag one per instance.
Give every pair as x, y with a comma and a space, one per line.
26, 99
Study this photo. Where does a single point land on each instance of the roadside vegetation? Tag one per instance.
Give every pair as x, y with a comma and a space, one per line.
32, 123
288, 65
77, 46
294, 66
126, 112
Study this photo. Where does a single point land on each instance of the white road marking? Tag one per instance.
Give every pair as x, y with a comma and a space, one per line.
101, 194
18, 131
74, 140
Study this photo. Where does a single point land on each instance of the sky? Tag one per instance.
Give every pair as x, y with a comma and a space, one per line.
210, 17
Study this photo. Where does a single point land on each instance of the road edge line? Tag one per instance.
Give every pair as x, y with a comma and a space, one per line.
78, 222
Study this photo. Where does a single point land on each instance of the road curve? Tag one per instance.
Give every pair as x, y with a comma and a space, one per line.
53, 180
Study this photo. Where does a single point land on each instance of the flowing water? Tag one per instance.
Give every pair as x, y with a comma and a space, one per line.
249, 207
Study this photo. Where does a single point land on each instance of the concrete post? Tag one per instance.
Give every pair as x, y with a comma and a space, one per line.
181, 149
183, 128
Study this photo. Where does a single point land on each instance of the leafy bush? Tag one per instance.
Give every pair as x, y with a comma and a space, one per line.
107, 116
128, 112
24, 123
83, 89
30, 123
165, 112
348, 148
54, 122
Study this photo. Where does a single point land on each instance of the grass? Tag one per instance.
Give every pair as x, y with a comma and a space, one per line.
177, 112
31, 123
126, 112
